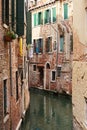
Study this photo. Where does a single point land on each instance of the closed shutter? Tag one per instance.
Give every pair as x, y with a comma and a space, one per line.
65, 11
3, 10
13, 14
29, 24
20, 17
54, 14
7, 12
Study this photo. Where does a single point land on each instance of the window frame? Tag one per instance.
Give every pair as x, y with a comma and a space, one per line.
34, 68
61, 50
38, 46
59, 71
48, 44
53, 79
47, 16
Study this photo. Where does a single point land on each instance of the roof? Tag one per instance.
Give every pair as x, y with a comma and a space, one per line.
41, 4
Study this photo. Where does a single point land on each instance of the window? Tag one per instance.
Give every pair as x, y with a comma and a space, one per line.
5, 11
34, 67
61, 43
38, 45
71, 41
66, 11
40, 18
17, 86
54, 45
53, 14
47, 16
53, 75
5, 97
59, 71
49, 44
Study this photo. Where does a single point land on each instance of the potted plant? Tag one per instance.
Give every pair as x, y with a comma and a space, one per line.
9, 36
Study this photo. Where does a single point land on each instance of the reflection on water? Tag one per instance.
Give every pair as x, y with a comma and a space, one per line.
48, 112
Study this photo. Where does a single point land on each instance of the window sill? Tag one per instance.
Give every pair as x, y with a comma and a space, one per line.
6, 118
53, 81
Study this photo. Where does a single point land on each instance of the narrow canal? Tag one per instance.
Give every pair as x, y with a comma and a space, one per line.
48, 112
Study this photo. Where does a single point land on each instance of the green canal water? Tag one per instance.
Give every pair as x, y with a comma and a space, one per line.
48, 112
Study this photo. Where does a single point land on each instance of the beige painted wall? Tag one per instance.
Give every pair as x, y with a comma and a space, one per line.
80, 19
79, 75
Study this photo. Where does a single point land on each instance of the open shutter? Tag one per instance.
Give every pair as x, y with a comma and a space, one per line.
49, 16
54, 14
65, 11
34, 19
37, 19
62, 44
20, 17
45, 18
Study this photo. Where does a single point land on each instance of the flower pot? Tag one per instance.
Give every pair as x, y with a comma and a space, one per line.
7, 39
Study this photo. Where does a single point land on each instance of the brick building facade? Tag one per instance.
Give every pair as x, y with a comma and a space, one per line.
79, 75
14, 94
50, 67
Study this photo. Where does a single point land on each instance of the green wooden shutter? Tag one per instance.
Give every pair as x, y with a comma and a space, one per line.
49, 16
45, 17
34, 19
54, 14
62, 44
29, 25
20, 17
3, 10
13, 15
65, 11
40, 18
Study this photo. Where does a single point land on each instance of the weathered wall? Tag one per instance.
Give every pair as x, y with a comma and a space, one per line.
47, 30
79, 75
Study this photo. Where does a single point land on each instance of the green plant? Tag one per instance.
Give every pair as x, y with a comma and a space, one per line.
10, 34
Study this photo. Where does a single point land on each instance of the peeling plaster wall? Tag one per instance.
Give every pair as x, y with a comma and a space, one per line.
79, 75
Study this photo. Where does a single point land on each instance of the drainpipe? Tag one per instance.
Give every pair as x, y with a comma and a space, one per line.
10, 51
57, 45
10, 66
